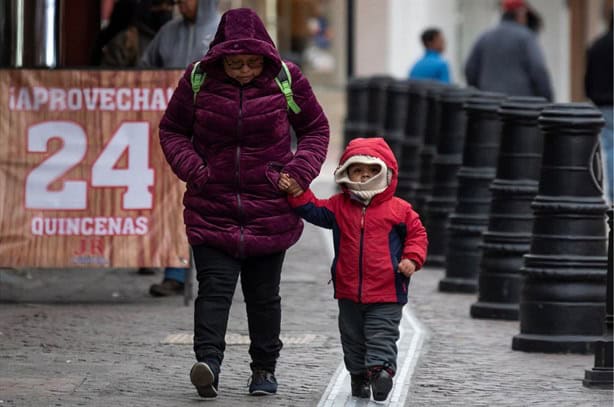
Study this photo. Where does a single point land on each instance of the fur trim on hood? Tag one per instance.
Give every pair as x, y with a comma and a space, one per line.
368, 189
374, 148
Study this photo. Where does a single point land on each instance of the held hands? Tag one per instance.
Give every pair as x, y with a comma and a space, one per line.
289, 185
407, 267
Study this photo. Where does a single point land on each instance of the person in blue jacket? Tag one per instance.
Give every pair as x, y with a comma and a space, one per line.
432, 65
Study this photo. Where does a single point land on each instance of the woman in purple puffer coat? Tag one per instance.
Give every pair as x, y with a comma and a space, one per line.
229, 144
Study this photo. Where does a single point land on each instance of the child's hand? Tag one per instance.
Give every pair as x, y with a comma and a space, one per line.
289, 185
407, 267
284, 182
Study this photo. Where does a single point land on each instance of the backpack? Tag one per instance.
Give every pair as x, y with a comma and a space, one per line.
283, 80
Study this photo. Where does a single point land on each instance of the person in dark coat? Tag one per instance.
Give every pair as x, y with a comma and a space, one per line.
599, 89
229, 144
507, 58
379, 243
132, 26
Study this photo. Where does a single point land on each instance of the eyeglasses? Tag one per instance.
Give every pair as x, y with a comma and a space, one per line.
251, 63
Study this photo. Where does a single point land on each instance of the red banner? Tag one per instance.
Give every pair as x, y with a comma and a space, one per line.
85, 182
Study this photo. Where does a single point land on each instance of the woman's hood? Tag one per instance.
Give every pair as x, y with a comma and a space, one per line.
241, 31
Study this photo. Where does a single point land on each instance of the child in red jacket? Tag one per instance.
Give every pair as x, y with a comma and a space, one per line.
379, 243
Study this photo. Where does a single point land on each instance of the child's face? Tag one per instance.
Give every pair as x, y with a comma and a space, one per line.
362, 172
243, 67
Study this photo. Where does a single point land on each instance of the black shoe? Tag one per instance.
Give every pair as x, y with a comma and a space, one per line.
262, 383
166, 288
204, 379
361, 386
381, 382
146, 271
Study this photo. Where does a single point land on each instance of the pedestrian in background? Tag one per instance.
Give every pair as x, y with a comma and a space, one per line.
432, 65
599, 89
132, 26
228, 142
184, 39
379, 243
508, 59
178, 43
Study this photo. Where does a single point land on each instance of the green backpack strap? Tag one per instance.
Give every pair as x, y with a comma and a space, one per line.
197, 78
284, 81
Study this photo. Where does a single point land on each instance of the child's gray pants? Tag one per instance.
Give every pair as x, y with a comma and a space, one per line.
369, 333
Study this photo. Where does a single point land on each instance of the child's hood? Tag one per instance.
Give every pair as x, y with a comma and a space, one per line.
374, 147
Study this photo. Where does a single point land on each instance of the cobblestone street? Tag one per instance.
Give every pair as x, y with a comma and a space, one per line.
139, 353
124, 348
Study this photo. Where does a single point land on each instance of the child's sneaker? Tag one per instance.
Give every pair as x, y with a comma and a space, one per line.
361, 386
381, 382
262, 383
204, 379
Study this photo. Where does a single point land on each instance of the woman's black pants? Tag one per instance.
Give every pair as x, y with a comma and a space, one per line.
217, 275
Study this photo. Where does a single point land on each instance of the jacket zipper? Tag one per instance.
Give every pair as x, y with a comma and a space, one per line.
362, 237
238, 172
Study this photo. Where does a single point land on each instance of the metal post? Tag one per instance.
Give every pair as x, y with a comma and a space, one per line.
563, 295
470, 217
446, 163
508, 236
602, 375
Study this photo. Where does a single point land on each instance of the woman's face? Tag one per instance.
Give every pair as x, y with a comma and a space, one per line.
243, 67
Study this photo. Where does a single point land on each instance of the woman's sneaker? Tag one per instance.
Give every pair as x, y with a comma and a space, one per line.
204, 379
262, 383
361, 387
381, 382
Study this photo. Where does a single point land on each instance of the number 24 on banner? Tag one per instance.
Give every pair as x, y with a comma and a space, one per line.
136, 178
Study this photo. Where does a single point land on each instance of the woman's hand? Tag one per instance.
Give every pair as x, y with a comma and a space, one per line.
407, 267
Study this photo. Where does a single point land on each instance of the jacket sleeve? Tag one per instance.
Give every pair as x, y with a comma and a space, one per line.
538, 73
444, 74
151, 54
317, 211
472, 66
416, 241
176, 131
312, 131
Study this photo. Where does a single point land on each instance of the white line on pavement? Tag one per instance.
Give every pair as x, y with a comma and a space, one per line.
412, 337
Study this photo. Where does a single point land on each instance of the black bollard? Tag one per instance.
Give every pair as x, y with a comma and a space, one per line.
415, 125
562, 300
427, 153
376, 105
357, 107
395, 116
602, 375
447, 162
470, 217
508, 236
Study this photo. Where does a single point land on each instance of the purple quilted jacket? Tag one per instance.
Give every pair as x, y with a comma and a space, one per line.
231, 143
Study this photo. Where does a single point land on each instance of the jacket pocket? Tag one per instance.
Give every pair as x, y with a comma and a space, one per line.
198, 180
272, 173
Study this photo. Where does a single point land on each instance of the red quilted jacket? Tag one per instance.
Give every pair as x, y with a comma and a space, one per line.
369, 240
232, 142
